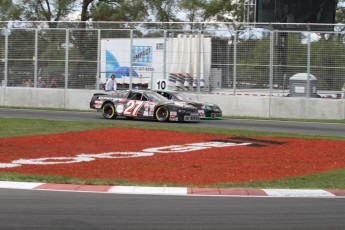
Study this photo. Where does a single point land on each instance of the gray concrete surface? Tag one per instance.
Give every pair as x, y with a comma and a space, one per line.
251, 106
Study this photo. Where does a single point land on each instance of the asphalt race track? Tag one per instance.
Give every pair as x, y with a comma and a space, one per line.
27, 209
326, 129
63, 210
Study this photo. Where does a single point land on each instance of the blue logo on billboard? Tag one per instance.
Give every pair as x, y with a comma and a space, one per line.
142, 55
111, 63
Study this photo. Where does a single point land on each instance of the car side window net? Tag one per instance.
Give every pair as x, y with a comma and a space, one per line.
144, 98
132, 96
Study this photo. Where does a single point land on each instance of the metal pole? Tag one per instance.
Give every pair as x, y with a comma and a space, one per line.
248, 9
308, 66
164, 56
36, 60
255, 9
98, 75
6, 58
66, 58
199, 64
131, 61
235, 63
244, 11
271, 62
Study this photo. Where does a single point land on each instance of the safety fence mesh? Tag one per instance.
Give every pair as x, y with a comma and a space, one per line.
234, 59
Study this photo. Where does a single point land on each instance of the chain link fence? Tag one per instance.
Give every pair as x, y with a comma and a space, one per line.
233, 59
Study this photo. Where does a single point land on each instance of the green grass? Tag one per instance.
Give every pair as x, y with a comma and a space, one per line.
334, 179
10, 127
327, 180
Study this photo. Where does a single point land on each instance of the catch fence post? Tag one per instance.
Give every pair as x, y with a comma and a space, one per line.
6, 58
271, 62
66, 58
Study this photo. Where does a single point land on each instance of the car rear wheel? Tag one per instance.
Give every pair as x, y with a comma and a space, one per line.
109, 111
162, 113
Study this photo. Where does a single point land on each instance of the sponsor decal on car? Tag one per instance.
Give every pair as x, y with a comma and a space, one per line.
119, 108
201, 112
107, 98
173, 116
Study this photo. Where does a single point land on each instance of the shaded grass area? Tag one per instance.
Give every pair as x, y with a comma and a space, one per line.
14, 127
10, 127
334, 179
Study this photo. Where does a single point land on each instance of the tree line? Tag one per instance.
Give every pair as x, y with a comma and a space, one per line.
131, 10
122, 10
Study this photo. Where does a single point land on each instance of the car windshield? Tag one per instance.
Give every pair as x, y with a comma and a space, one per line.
156, 97
183, 97
122, 94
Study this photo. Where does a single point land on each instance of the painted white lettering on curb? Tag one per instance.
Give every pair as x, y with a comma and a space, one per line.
114, 155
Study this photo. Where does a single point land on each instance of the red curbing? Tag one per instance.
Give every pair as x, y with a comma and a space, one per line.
74, 187
337, 192
241, 192
203, 191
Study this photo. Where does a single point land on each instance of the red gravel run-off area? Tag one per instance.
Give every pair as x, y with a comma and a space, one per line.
262, 159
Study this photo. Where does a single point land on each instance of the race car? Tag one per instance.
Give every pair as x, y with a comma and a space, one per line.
143, 104
205, 110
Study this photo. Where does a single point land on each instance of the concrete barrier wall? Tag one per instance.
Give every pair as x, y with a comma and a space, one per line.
46, 98
239, 105
251, 106
278, 107
2, 96
29, 97
312, 108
